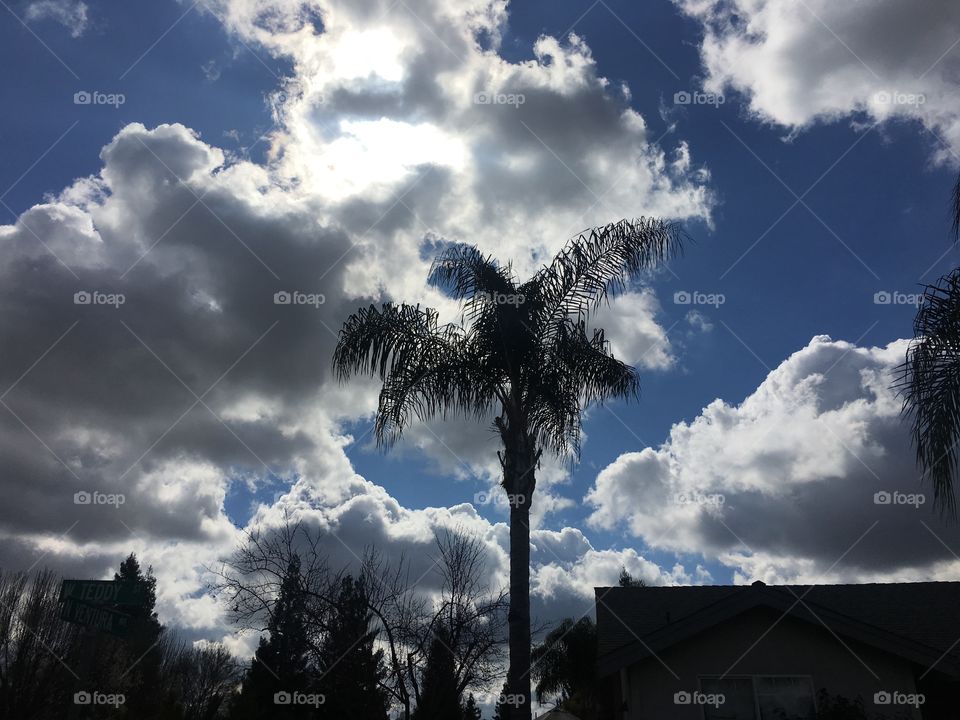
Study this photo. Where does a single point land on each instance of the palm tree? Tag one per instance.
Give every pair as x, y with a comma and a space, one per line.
566, 666
930, 380
523, 353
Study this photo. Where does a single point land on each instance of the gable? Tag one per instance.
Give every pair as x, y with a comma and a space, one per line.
910, 620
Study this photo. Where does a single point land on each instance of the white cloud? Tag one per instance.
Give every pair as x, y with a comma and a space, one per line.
373, 153
72, 15
782, 485
636, 338
821, 60
401, 125
698, 321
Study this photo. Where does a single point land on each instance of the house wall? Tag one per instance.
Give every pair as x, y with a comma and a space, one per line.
792, 647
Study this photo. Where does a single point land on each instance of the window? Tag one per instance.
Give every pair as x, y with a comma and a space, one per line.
760, 697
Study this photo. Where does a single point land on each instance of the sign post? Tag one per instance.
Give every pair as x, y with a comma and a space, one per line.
103, 592
95, 617
100, 604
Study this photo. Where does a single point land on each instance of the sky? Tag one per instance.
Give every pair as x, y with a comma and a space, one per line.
169, 167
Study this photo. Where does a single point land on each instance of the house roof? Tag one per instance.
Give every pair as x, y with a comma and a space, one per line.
919, 621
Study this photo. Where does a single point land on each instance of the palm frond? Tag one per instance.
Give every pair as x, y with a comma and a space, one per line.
463, 272
598, 374
554, 410
435, 385
578, 370
595, 266
930, 381
377, 341
427, 369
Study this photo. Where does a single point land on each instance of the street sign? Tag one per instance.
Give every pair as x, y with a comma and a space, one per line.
92, 616
103, 592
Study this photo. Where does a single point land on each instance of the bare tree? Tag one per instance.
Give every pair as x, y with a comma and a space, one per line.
36, 679
474, 617
400, 614
197, 680
250, 580
406, 618
471, 619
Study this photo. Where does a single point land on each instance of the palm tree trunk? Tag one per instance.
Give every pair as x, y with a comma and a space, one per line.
519, 465
518, 676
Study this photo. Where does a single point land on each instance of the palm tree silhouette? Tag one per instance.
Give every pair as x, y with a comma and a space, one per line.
522, 351
930, 380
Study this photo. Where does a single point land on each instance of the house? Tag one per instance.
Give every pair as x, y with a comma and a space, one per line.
757, 652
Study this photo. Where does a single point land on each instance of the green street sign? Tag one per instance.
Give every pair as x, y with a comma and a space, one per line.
95, 617
103, 592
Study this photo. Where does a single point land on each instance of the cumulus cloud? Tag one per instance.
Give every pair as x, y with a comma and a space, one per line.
636, 337
784, 485
818, 60
148, 355
72, 15
567, 568
411, 103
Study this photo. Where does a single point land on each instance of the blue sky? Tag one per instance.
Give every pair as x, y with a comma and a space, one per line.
803, 194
